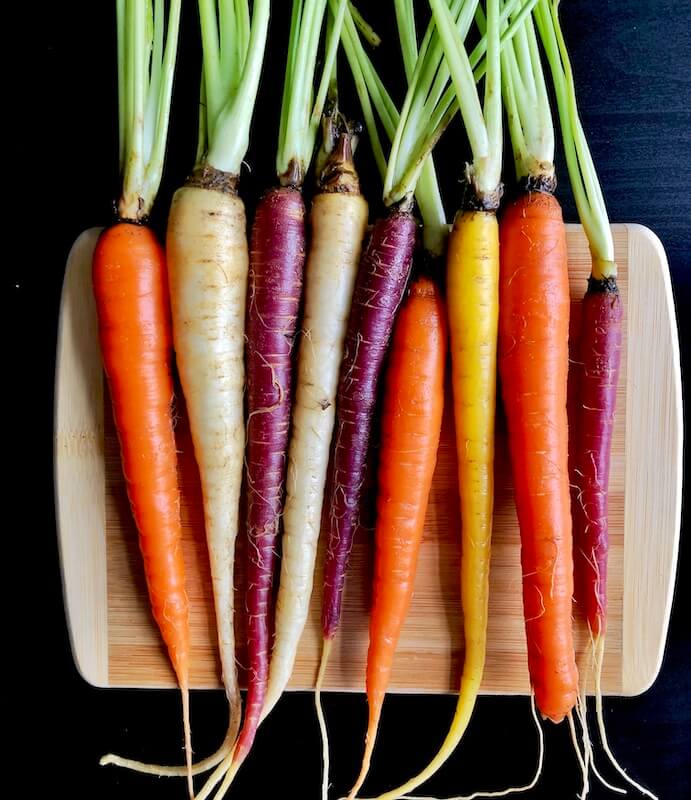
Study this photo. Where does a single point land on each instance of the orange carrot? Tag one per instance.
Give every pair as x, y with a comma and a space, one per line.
131, 291
411, 424
533, 361
129, 280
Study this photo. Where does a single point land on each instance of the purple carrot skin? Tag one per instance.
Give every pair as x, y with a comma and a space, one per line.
382, 278
598, 375
277, 256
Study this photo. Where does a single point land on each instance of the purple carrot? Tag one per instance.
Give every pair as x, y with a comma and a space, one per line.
598, 374
277, 257
381, 281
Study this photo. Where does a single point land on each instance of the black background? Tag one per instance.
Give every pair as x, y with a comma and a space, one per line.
633, 67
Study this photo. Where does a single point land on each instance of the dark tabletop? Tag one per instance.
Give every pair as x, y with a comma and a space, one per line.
633, 68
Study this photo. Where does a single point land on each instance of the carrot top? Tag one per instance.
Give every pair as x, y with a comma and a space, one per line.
439, 87
376, 102
582, 173
527, 103
147, 44
430, 104
301, 109
233, 51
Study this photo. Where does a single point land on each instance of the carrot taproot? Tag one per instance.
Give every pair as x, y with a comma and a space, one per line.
533, 363
382, 278
131, 292
423, 184
207, 269
411, 425
338, 220
277, 259
597, 364
597, 370
130, 287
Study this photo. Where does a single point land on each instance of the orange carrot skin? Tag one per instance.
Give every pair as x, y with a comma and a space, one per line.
411, 425
130, 286
533, 363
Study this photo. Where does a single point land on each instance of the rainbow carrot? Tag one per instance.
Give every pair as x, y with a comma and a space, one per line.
130, 287
411, 425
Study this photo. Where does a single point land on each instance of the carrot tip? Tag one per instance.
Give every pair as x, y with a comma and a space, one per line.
326, 653
188, 737
599, 645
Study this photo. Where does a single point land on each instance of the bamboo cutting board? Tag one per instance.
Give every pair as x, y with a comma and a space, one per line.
115, 641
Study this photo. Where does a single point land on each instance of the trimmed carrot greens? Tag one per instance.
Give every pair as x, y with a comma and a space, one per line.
233, 55
146, 47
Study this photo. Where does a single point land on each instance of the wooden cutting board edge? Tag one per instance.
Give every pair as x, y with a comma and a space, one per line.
79, 468
653, 486
653, 392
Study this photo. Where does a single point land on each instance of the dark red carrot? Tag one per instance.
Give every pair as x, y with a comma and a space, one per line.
277, 257
598, 368
382, 278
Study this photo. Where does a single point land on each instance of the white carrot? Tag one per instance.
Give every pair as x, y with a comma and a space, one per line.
338, 221
208, 265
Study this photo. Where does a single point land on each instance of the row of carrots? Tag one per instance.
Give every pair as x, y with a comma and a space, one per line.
295, 421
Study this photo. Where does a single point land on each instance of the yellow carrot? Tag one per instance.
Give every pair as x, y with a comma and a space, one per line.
472, 296
473, 305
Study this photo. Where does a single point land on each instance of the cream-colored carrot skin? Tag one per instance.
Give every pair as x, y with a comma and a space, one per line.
208, 265
472, 285
338, 224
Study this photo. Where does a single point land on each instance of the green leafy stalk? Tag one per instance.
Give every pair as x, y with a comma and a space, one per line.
233, 48
366, 31
582, 173
483, 124
359, 62
328, 79
527, 103
427, 191
147, 46
429, 64
437, 114
299, 125
123, 90
371, 90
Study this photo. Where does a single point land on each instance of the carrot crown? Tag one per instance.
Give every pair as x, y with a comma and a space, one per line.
301, 109
431, 102
233, 52
582, 173
147, 45
376, 103
527, 103
483, 122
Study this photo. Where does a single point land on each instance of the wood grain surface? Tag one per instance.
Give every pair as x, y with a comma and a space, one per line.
115, 641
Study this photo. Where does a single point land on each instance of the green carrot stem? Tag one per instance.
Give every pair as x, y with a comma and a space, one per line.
298, 128
582, 173
233, 44
147, 46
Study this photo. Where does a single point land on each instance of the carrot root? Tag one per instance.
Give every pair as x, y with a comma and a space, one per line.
599, 659
513, 789
583, 760
172, 771
582, 711
215, 778
326, 654
188, 738
130, 288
